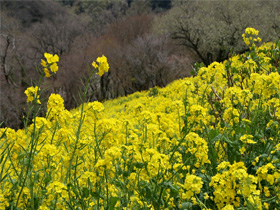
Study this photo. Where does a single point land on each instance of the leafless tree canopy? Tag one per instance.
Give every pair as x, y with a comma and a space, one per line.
213, 28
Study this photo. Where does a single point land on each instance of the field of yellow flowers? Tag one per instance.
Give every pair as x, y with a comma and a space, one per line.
211, 141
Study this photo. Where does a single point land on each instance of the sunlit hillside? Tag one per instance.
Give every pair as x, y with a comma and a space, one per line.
211, 141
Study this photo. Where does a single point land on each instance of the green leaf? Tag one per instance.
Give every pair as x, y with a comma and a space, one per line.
36, 177
139, 165
186, 205
85, 192
112, 202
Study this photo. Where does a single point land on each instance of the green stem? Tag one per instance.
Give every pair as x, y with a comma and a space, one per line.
96, 140
33, 146
82, 117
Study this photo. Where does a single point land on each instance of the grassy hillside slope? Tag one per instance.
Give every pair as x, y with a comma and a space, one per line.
207, 142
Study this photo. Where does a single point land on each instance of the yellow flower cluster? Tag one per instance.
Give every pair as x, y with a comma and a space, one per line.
3, 202
51, 64
247, 139
253, 33
32, 93
232, 184
198, 147
269, 173
193, 185
56, 109
102, 65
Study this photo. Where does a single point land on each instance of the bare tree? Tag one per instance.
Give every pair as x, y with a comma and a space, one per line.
56, 35
213, 28
102, 13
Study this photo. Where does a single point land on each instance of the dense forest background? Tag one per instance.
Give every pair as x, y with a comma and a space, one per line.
148, 43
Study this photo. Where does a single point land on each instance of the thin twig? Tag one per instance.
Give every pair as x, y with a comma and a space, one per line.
214, 91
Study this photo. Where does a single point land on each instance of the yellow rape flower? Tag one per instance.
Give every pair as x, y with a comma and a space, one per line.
31, 93
193, 185
251, 31
94, 64
58, 190
266, 205
266, 191
263, 171
228, 207
247, 139
43, 208
55, 107
51, 58
96, 106
231, 115
255, 202
102, 65
55, 102
226, 191
54, 68
242, 150
246, 40
47, 73
51, 64
3, 201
